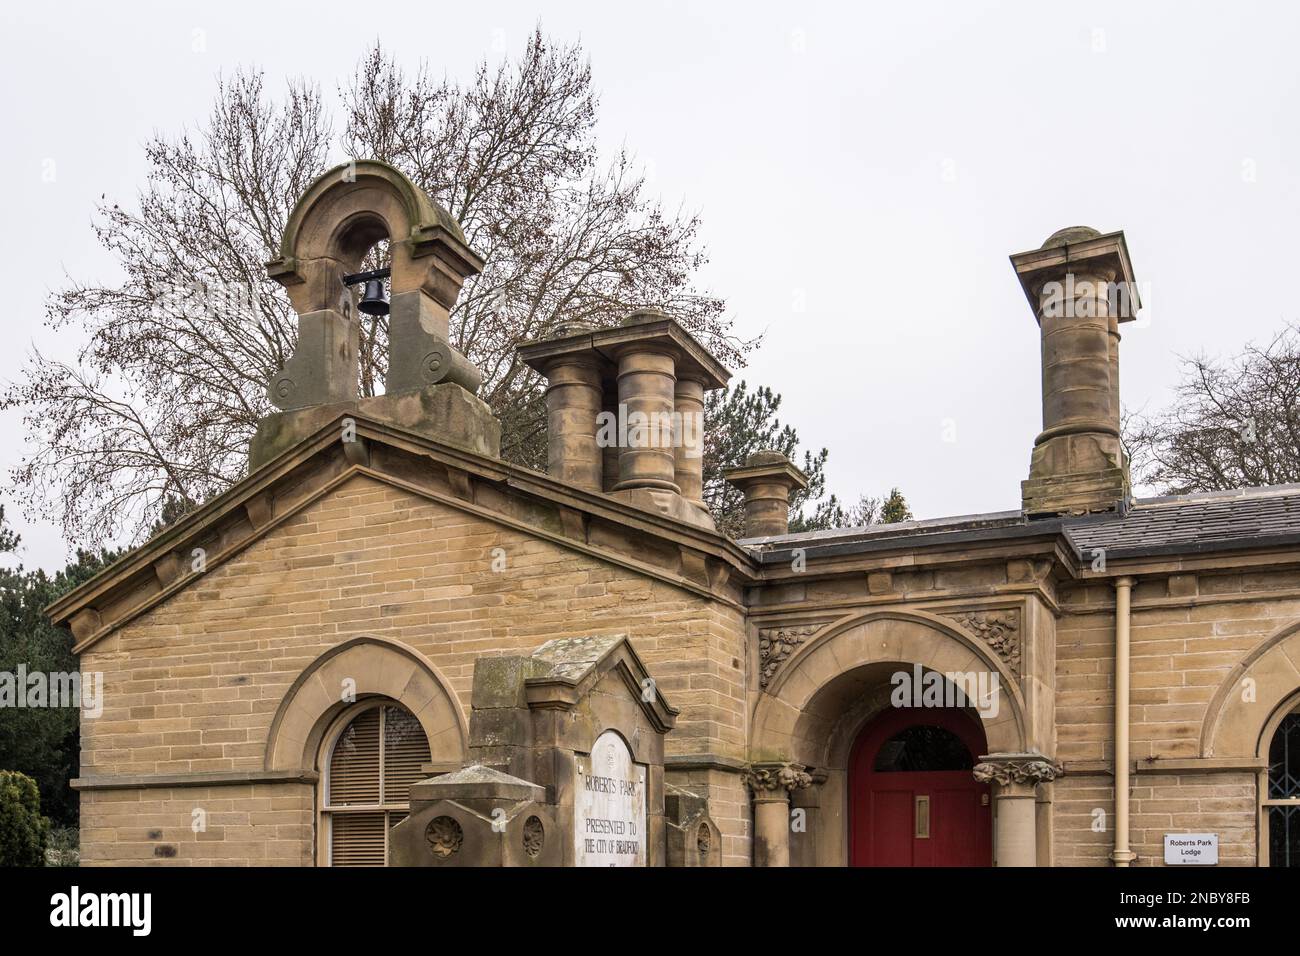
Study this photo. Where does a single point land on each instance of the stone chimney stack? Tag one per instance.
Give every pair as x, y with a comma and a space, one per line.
1080, 286
625, 411
767, 480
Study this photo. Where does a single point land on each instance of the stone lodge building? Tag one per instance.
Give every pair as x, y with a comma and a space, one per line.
388, 645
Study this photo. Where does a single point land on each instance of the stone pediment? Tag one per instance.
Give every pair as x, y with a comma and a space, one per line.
567, 669
697, 560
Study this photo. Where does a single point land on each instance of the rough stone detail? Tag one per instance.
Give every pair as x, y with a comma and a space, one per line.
703, 838
1023, 771
776, 644
1000, 630
445, 836
771, 777
534, 836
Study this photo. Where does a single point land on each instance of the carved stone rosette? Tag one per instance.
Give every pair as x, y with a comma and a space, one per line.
776, 779
1000, 630
775, 644
1017, 769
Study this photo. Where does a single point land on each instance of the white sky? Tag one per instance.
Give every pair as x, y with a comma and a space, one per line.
877, 163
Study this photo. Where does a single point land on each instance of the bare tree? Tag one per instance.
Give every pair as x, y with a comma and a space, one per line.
169, 385
1234, 422
512, 156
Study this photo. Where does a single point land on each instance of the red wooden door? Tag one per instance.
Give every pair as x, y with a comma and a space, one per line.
934, 816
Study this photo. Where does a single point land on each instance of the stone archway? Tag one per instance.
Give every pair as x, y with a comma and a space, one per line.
1250, 703
373, 667
811, 712
1249, 696
344, 212
786, 724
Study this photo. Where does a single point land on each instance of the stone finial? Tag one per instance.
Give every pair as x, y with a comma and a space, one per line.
1080, 286
766, 479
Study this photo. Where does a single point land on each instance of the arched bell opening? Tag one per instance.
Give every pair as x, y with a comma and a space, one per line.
368, 214
372, 303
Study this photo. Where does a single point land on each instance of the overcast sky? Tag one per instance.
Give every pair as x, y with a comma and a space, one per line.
863, 171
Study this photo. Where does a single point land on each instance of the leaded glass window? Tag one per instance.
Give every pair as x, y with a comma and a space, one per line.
1282, 803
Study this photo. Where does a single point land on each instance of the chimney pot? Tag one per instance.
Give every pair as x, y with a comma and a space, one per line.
625, 411
766, 479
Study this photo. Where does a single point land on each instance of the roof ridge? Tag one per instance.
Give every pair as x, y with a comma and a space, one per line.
1231, 494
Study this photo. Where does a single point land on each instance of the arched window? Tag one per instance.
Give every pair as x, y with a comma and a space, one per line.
372, 762
923, 748
1282, 801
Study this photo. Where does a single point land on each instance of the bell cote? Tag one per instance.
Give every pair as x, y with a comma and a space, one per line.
430, 386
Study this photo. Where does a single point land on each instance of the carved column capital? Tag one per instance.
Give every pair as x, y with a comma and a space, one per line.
774, 781
1011, 770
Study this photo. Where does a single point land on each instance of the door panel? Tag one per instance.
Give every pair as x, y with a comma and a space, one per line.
891, 844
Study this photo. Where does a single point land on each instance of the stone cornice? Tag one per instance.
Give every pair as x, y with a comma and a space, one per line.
693, 359
709, 761
941, 602
215, 778
1173, 765
566, 685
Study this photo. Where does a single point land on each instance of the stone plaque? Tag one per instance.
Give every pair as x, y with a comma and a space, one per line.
609, 806
1191, 849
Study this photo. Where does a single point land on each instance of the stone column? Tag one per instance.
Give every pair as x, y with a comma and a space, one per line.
803, 842
573, 403
1074, 319
1014, 778
771, 784
688, 455
647, 383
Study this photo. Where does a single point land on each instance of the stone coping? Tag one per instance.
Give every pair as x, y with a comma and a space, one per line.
1172, 765
214, 778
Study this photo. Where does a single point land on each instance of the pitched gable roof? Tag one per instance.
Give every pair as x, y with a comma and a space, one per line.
695, 559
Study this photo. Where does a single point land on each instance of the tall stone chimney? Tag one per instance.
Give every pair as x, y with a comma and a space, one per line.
625, 411
1080, 286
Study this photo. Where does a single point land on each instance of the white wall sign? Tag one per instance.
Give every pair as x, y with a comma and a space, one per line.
1191, 849
609, 806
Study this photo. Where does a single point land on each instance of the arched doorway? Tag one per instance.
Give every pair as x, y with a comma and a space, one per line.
912, 798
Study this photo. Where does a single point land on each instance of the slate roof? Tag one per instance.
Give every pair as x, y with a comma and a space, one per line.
1179, 524
1188, 523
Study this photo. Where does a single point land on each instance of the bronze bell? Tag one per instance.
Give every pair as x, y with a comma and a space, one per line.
374, 300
